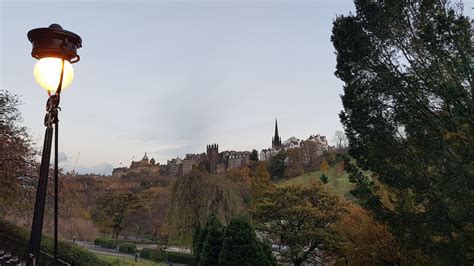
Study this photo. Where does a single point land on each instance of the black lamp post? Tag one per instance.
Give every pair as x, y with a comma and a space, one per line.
56, 49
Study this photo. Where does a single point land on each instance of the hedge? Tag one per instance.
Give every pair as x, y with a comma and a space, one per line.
107, 242
175, 257
113, 243
127, 248
15, 239
181, 258
152, 254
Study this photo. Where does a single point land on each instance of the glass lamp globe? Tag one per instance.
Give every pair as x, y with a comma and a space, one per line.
47, 73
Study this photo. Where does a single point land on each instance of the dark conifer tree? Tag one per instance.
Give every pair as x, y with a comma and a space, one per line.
408, 115
212, 244
324, 178
241, 246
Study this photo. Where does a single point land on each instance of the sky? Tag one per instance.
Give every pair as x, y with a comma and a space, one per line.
170, 77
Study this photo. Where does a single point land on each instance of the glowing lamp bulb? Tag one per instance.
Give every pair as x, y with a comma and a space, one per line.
48, 73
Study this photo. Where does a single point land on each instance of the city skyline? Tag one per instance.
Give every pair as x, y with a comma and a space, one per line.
167, 78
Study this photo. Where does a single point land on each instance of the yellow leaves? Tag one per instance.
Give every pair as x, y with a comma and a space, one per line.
366, 241
324, 166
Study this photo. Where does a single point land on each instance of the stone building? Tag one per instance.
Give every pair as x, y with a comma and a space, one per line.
192, 160
174, 167
235, 159
214, 161
310, 148
136, 167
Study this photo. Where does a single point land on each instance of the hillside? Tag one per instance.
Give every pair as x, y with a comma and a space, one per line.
339, 181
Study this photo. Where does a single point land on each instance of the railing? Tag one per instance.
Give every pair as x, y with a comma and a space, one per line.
18, 248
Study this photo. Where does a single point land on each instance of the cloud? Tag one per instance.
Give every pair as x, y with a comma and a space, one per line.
62, 157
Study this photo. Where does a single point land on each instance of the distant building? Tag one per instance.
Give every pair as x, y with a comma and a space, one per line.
135, 167
214, 161
312, 147
266, 154
192, 160
217, 162
175, 167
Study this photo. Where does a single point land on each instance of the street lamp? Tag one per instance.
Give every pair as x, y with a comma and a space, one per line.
56, 50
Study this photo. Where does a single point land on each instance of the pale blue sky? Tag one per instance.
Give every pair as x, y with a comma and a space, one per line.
169, 77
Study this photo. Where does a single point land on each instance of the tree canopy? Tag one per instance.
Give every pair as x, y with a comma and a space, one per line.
408, 115
196, 195
112, 210
241, 246
16, 150
277, 166
300, 218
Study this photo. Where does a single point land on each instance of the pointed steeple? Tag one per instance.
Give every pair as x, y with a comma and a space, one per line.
276, 130
276, 140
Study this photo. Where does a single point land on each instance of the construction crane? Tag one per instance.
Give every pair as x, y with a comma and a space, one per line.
75, 164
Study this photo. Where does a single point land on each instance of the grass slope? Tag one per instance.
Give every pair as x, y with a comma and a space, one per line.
125, 261
339, 182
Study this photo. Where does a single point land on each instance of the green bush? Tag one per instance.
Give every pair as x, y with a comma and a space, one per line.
15, 240
181, 258
127, 248
106, 242
175, 257
152, 254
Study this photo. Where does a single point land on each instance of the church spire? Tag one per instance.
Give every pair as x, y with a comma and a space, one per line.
276, 129
276, 140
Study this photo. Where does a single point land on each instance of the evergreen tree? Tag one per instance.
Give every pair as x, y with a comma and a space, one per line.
199, 237
408, 105
211, 247
277, 166
254, 155
324, 178
241, 246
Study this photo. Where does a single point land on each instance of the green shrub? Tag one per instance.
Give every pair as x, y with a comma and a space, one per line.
15, 240
152, 254
104, 242
127, 248
107, 242
181, 258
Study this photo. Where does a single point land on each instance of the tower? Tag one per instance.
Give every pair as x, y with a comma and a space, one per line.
276, 140
212, 153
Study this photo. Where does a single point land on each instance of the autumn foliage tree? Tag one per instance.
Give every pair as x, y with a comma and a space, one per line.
196, 195
112, 210
366, 241
260, 180
17, 164
408, 105
324, 166
300, 218
157, 201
